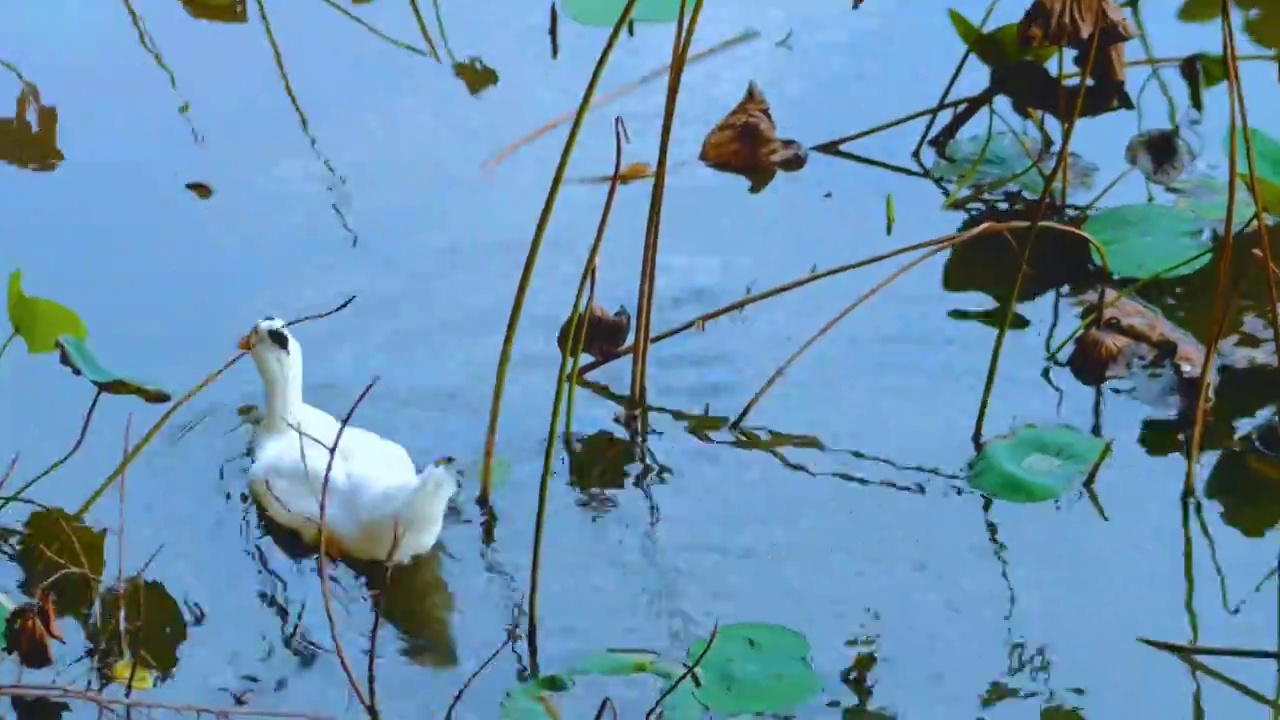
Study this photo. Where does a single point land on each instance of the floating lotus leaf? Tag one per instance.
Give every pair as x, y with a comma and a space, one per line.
1035, 463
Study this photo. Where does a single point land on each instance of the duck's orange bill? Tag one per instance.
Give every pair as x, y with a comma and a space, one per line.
244, 343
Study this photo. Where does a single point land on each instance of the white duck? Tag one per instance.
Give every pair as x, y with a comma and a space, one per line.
375, 494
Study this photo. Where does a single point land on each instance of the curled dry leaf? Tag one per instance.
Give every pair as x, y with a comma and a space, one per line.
1131, 332
28, 630
1073, 24
746, 143
605, 333
201, 190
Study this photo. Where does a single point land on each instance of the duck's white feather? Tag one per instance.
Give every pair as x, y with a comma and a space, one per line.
375, 500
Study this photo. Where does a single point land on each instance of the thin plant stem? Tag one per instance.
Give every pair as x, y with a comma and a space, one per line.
683, 39
444, 37
1145, 41
1221, 301
655, 74
1059, 170
531, 258
1233, 69
75, 447
7, 342
572, 350
778, 373
422, 28
375, 31
168, 414
951, 82
828, 146
742, 303
322, 568
689, 670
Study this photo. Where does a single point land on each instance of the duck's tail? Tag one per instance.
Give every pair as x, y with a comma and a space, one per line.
436, 484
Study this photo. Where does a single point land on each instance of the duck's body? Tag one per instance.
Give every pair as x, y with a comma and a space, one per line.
377, 505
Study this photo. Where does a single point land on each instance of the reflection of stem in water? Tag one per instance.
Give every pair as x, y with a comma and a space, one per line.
444, 39
422, 28
1188, 601
1213, 556
998, 549
375, 31
338, 180
149, 44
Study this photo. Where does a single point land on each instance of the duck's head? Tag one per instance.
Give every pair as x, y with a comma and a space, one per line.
273, 349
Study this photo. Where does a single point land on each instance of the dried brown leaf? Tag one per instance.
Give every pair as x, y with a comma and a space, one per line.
201, 190
28, 630
605, 333
746, 142
1072, 24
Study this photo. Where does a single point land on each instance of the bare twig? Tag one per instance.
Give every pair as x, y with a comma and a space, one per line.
168, 414
84, 430
377, 612
531, 261
8, 472
606, 704
577, 334
777, 374
688, 673
322, 567
60, 692
320, 316
655, 74
649, 265
457, 697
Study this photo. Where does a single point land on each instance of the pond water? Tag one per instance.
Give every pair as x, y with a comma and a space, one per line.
385, 146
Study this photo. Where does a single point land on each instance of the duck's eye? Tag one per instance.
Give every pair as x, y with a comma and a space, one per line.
1111, 323
280, 339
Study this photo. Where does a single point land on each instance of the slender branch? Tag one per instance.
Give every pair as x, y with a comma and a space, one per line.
322, 567
168, 414
701, 320
531, 258
59, 692
457, 697
655, 74
8, 472
573, 350
777, 374
320, 316
688, 673
7, 342
84, 430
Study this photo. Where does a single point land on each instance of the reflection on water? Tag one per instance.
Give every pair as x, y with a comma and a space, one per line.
414, 597
29, 139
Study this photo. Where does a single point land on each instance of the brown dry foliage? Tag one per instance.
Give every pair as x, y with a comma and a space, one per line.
746, 142
28, 630
1099, 352
605, 333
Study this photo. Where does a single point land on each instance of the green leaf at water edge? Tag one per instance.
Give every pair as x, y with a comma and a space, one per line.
604, 13
1206, 197
76, 355
1143, 239
998, 47
525, 701
1200, 10
1035, 463
1266, 155
39, 321
754, 668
